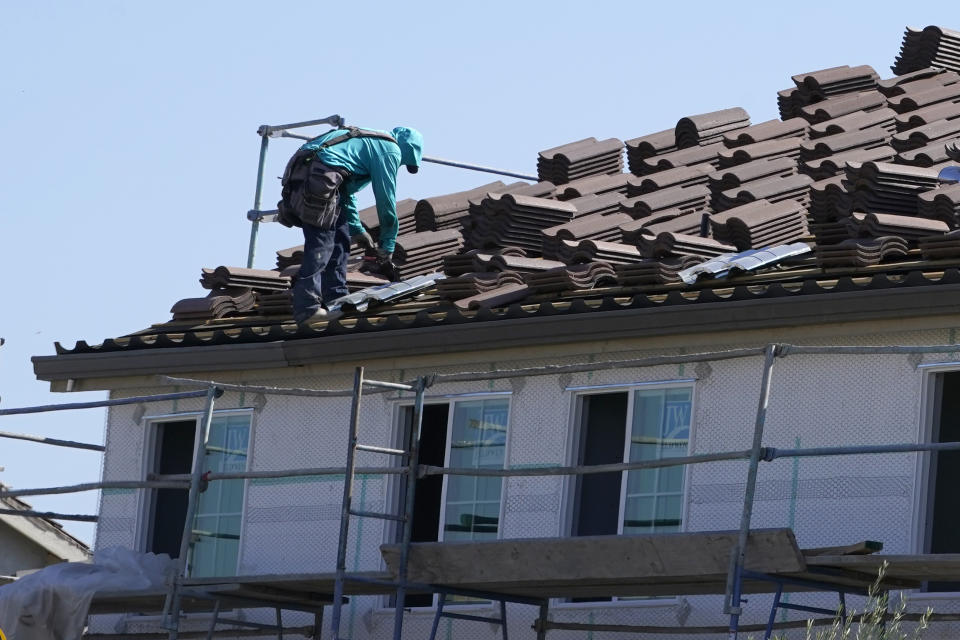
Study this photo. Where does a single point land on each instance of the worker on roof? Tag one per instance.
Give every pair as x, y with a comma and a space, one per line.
319, 195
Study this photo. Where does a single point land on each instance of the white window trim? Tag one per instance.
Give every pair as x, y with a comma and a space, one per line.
149, 452
573, 444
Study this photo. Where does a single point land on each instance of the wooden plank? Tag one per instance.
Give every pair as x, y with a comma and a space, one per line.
865, 547
593, 560
940, 566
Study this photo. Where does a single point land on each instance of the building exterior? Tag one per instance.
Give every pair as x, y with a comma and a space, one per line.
590, 417
29, 544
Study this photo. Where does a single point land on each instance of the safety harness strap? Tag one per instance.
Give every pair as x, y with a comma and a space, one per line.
356, 132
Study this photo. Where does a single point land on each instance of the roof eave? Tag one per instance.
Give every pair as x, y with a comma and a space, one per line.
829, 308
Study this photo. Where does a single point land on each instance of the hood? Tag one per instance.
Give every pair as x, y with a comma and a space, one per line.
411, 146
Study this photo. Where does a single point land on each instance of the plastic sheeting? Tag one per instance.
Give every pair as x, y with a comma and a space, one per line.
52, 603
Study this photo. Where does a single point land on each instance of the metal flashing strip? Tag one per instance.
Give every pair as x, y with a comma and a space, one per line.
621, 385
748, 260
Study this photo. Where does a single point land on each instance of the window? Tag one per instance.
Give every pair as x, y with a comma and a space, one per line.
463, 433
214, 547
631, 426
942, 533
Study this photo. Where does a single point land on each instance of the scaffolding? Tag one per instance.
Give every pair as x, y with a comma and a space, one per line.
184, 593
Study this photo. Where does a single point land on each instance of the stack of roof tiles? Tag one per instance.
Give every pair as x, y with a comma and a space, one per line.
597, 226
406, 218
578, 276
861, 252
941, 204
819, 86
418, 254
648, 146
594, 185
221, 303
447, 212
888, 188
474, 260
772, 188
760, 224
471, 284
256, 279
929, 47
708, 128
679, 244
941, 246
587, 157
686, 176
516, 220
910, 228
652, 272
597, 250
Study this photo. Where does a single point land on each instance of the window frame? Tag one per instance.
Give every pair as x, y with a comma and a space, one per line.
394, 491
575, 437
144, 525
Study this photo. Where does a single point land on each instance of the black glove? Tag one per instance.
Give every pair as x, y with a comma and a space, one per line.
386, 267
362, 240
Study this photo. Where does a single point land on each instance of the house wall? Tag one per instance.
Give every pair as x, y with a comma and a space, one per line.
18, 553
291, 525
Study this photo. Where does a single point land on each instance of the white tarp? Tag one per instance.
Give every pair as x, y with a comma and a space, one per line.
52, 603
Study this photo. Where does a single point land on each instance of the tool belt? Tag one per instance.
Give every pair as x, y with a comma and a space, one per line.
311, 189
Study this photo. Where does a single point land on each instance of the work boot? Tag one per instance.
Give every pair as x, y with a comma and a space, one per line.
320, 315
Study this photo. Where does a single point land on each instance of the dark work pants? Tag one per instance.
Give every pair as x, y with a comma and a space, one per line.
323, 272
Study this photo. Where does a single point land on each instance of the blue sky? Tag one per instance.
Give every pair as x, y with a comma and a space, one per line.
129, 151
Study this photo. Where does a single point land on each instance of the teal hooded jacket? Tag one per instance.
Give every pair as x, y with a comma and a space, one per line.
372, 161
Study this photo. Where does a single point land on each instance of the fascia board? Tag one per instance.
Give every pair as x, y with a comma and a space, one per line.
713, 317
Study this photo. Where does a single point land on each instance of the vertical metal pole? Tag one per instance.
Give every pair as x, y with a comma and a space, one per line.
171, 606
279, 624
439, 614
347, 500
773, 612
213, 620
735, 574
503, 619
542, 627
255, 225
843, 607
318, 624
413, 464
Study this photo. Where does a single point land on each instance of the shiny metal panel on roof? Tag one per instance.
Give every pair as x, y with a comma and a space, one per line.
749, 260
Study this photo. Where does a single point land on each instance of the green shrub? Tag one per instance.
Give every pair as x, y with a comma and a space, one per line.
875, 622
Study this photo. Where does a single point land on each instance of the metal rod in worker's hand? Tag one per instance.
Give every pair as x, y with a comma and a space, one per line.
52, 441
734, 576
103, 403
477, 167
50, 515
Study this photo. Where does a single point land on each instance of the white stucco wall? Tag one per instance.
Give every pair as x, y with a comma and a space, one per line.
292, 525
